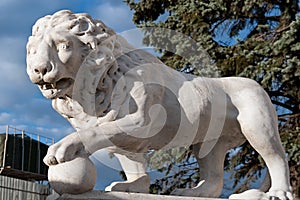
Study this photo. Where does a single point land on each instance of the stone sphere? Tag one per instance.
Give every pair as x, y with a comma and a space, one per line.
73, 177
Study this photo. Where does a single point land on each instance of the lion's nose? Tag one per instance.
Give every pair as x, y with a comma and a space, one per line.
42, 69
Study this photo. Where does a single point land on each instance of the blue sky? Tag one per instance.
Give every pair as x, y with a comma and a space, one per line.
21, 103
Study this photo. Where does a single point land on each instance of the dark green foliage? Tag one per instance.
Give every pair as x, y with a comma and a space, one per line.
245, 163
180, 167
256, 39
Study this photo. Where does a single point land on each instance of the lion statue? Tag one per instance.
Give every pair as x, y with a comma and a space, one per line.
127, 101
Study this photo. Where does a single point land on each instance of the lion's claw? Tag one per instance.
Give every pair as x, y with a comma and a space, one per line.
53, 160
65, 150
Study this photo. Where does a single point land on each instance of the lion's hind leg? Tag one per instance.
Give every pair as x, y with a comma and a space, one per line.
259, 126
211, 169
135, 171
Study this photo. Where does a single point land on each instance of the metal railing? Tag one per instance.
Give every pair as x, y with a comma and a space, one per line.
25, 135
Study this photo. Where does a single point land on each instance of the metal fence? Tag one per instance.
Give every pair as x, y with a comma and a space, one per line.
21, 154
22, 172
16, 189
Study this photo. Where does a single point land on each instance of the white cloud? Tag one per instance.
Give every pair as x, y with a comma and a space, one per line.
15, 86
4, 117
5, 2
21, 104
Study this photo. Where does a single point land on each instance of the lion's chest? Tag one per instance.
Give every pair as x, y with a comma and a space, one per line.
81, 124
77, 117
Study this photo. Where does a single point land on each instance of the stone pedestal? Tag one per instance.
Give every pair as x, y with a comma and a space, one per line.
93, 195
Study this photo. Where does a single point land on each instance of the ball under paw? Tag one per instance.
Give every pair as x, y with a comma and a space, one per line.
73, 177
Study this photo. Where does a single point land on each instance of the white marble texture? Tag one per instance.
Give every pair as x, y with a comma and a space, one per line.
128, 101
73, 177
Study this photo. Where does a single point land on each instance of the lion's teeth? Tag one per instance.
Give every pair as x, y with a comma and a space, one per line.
53, 85
48, 86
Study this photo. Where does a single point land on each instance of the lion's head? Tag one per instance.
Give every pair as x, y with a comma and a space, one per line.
74, 58
57, 48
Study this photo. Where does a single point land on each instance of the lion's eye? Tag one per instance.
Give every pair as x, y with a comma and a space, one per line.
65, 46
64, 51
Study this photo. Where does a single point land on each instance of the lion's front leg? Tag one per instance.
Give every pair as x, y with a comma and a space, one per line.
135, 170
66, 149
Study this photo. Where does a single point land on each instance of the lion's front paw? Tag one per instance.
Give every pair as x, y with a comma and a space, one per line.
280, 194
67, 149
140, 185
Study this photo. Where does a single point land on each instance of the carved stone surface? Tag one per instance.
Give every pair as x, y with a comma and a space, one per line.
128, 101
126, 196
73, 177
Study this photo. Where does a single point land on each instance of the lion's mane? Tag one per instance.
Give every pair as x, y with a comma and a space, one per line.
109, 56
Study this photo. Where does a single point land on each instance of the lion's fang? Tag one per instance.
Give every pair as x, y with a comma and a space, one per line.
49, 86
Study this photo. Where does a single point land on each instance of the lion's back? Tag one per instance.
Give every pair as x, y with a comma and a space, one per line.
247, 93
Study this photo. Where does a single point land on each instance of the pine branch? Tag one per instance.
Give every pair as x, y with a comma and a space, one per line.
291, 115
282, 29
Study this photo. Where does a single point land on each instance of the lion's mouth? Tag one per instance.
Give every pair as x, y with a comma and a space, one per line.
56, 89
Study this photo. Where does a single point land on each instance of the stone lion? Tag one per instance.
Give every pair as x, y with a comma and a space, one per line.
126, 100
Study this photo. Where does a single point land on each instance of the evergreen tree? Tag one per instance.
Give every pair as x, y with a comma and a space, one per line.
256, 39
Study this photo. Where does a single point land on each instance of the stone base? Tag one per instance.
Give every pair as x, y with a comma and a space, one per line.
93, 195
